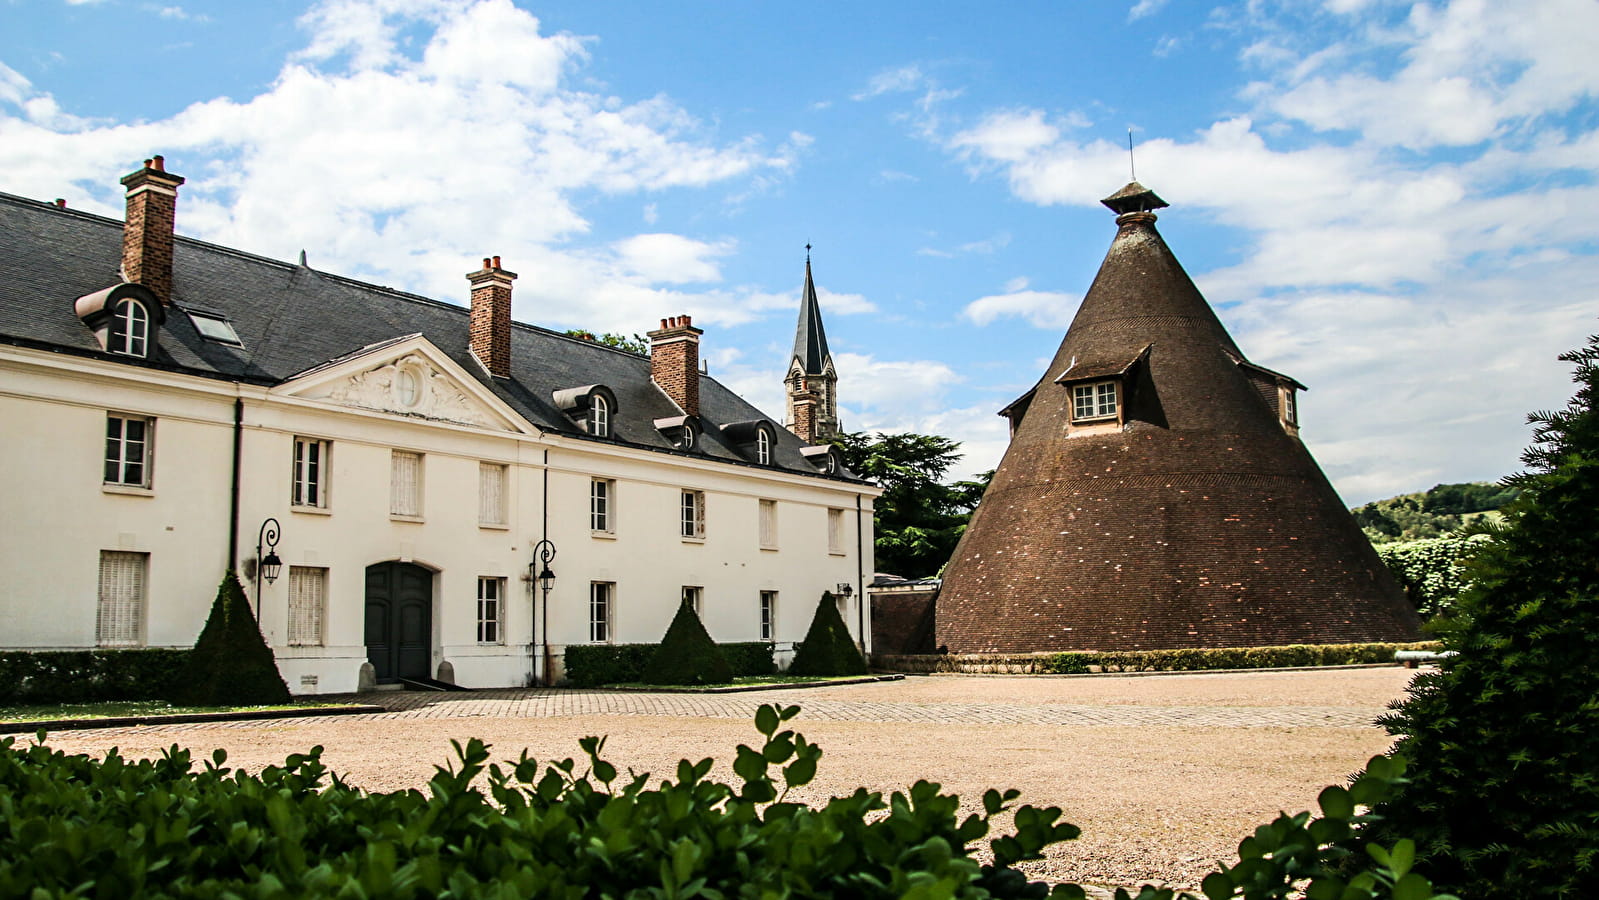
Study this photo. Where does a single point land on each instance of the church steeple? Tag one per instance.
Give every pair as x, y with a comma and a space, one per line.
811, 380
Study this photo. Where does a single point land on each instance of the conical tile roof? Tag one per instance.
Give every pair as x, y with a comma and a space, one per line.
1191, 516
810, 340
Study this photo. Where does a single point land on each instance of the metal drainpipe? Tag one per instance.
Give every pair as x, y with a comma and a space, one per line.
233, 503
544, 534
860, 575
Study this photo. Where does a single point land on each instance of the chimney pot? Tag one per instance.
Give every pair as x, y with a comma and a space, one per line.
485, 262
159, 163
496, 262
61, 203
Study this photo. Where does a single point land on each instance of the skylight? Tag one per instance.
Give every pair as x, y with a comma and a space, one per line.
214, 327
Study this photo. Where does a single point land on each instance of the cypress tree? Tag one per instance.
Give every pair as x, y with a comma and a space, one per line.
1503, 741
231, 664
687, 655
828, 649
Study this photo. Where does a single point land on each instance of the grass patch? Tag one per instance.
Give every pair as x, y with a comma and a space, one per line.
125, 709
747, 681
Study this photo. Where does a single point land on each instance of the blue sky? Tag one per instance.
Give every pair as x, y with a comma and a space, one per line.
1395, 203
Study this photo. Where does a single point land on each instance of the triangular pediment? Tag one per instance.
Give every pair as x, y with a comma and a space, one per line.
406, 376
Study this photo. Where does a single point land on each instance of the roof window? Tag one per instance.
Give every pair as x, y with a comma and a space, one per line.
214, 326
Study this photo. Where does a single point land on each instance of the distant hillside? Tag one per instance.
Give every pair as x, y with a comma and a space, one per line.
1431, 513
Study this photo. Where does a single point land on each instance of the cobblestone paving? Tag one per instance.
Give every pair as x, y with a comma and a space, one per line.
545, 703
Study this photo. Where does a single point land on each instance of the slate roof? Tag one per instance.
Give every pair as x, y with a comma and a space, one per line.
1199, 523
292, 319
810, 341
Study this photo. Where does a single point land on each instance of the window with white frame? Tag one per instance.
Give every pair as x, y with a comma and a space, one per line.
768, 525
602, 596
490, 610
768, 615
130, 329
308, 603
599, 415
763, 447
1290, 407
694, 596
310, 472
693, 518
119, 615
835, 531
405, 485
1094, 401
602, 496
492, 481
128, 441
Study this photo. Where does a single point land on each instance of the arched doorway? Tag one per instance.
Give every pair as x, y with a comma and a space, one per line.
399, 621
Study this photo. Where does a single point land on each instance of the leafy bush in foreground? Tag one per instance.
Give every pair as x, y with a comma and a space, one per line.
79, 827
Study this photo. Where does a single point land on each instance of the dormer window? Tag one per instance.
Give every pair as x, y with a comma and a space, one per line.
824, 457
682, 431
687, 440
130, 329
763, 447
592, 406
756, 439
1094, 401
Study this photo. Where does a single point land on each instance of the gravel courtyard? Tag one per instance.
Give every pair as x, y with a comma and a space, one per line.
1164, 774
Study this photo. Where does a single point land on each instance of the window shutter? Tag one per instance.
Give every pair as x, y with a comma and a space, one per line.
308, 591
405, 484
768, 523
120, 615
491, 494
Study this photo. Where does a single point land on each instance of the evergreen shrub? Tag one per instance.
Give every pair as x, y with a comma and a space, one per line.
1292, 655
591, 665
115, 827
1504, 738
231, 664
686, 654
828, 648
88, 676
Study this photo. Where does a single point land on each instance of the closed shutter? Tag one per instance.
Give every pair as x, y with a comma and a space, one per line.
769, 524
119, 620
405, 484
308, 592
491, 494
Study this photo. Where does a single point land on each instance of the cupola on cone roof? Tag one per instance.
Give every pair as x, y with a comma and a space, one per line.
1155, 493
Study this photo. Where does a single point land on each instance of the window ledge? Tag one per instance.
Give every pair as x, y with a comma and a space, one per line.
603, 535
415, 520
837, 553
312, 510
493, 526
771, 548
129, 490
693, 538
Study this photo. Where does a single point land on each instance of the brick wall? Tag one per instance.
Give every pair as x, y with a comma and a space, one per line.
490, 323
675, 361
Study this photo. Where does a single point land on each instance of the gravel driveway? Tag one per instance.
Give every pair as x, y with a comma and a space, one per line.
1164, 774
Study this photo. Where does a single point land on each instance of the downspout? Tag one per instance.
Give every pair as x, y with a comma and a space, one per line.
860, 575
233, 494
544, 535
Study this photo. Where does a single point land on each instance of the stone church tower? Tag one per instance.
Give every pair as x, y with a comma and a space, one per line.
1156, 494
812, 410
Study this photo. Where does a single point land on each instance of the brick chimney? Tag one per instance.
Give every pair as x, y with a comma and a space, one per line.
147, 234
491, 317
675, 361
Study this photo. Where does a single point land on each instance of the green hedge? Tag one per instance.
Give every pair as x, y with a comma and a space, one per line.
1228, 658
88, 676
591, 665
81, 827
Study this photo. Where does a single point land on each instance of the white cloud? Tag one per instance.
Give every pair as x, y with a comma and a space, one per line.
1049, 310
891, 81
410, 137
1144, 8
671, 258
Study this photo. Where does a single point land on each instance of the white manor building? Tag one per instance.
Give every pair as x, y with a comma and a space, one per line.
166, 400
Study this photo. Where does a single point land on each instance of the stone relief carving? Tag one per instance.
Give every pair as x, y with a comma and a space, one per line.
431, 393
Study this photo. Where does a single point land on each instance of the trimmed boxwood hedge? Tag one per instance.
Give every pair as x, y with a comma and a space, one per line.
591, 665
88, 676
1227, 658
686, 654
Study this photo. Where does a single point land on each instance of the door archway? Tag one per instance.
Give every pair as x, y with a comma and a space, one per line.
399, 621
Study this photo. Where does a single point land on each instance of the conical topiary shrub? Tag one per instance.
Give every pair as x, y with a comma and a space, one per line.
231, 664
828, 649
687, 655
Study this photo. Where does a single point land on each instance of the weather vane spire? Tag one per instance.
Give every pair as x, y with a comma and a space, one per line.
807, 252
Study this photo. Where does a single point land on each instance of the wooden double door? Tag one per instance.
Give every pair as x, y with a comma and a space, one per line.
399, 621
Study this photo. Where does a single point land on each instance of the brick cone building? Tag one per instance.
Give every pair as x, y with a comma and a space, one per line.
1156, 494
